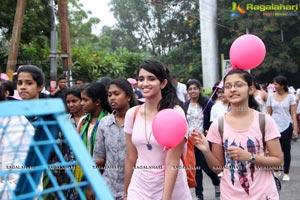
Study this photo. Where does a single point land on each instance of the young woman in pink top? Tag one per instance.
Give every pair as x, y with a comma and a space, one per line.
150, 171
240, 151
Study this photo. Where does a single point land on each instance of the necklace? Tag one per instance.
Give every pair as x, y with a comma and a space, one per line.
149, 146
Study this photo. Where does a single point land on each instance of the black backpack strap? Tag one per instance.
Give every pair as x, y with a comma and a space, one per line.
262, 126
221, 126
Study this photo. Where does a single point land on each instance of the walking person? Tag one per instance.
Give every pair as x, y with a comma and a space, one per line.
109, 152
198, 116
16, 134
95, 105
281, 105
260, 96
30, 83
149, 169
221, 103
239, 152
73, 100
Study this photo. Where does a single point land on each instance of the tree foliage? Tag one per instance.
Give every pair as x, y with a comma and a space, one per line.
168, 30
165, 30
92, 65
280, 35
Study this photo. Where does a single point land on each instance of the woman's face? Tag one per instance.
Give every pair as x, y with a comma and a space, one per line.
73, 103
27, 87
117, 97
87, 103
236, 89
149, 85
193, 91
220, 94
278, 87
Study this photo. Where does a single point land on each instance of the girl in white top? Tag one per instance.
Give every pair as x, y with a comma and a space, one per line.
260, 96
15, 137
282, 107
221, 104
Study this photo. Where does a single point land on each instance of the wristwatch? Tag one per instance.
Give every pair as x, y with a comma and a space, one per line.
252, 159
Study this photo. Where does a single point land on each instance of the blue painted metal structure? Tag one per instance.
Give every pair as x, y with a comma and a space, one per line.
50, 120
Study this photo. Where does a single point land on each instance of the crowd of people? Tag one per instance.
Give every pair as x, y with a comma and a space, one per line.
114, 118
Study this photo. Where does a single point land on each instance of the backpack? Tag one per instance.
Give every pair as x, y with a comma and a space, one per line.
262, 123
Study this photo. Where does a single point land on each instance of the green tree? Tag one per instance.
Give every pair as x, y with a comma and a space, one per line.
158, 26
280, 35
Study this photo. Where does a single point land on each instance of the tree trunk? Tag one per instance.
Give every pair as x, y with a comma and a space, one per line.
65, 38
15, 38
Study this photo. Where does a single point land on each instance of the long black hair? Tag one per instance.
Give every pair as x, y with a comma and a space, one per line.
246, 76
169, 96
97, 91
124, 85
282, 80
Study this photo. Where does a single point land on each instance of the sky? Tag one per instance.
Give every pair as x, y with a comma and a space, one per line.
100, 9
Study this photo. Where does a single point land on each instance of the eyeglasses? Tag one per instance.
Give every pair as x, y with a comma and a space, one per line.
237, 85
220, 91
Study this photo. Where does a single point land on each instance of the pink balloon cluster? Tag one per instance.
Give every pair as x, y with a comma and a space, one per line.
247, 52
169, 128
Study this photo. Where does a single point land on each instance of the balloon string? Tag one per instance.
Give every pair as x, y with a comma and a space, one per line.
220, 85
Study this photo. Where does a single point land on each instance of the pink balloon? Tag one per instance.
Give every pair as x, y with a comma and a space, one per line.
247, 52
169, 128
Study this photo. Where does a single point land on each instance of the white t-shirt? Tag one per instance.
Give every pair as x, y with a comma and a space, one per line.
217, 109
281, 110
181, 91
298, 94
261, 102
16, 135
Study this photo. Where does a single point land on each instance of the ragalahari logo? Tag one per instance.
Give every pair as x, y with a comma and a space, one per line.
237, 10
282, 9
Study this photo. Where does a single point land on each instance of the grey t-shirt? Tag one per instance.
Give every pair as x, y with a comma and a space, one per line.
281, 111
110, 145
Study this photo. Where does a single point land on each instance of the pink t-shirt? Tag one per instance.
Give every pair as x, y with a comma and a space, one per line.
241, 179
148, 177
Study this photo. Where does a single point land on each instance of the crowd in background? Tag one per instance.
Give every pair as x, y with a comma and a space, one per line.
105, 112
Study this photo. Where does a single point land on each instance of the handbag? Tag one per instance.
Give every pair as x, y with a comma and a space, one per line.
189, 163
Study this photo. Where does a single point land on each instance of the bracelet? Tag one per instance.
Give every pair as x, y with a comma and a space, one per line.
124, 195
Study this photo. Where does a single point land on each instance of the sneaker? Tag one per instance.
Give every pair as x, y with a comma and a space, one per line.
286, 177
277, 174
217, 191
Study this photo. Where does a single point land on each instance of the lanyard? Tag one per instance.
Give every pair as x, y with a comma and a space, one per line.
84, 130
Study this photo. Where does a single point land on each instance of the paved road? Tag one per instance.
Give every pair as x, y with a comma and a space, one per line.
290, 190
